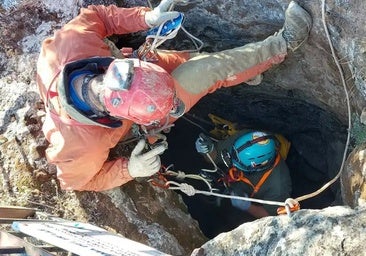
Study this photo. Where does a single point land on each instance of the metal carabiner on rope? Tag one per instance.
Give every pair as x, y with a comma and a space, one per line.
159, 180
157, 36
168, 30
212, 162
291, 205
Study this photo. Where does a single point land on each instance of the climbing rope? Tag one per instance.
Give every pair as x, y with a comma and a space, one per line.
289, 205
161, 181
154, 40
290, 202
190, 191
325, 186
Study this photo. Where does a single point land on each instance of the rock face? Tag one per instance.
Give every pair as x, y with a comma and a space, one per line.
353, 178
332, 231
139, 211
304, 98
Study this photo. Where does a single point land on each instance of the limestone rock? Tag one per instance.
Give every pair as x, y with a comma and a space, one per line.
308, 76
353, 178
331, 231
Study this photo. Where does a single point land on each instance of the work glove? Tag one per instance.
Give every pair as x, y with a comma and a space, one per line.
240, 204
145, 164
204, 144
160, 14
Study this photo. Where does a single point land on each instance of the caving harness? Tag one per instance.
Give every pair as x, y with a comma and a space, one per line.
218, 182
235, 175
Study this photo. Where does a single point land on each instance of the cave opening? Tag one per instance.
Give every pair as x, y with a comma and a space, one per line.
317, 144
317, 138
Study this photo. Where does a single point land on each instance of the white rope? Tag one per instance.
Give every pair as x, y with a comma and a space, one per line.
190, 191
158, 39
325, 186
213, 163
181, 176
288, 209
194, 41
184, 187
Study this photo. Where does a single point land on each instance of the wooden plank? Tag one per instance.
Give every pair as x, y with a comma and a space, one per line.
84, 239
16, 212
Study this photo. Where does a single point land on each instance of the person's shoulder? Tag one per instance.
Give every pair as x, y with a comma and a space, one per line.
282, 164
281, 171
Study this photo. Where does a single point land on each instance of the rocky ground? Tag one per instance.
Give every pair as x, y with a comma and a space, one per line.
159, 215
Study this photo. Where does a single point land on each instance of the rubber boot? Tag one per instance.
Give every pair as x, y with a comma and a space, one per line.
297, 26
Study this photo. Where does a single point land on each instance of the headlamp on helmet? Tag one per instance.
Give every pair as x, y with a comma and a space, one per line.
254, 151
138, 91
119, 76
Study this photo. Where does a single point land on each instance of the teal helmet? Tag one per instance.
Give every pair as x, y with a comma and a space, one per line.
254, 151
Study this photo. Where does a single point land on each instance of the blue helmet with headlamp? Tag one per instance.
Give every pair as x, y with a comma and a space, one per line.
254, 151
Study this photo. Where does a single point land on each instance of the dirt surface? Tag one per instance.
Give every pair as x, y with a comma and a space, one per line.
302, 98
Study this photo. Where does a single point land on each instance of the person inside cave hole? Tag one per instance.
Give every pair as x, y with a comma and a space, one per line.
94, 100
251, 164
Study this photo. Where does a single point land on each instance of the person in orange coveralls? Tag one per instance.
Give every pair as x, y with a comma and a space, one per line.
93, 100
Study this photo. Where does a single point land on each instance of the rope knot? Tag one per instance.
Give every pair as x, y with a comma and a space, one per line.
291, 205
188, 189
180, 175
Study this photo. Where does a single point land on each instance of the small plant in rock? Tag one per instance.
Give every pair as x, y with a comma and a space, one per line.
358, 131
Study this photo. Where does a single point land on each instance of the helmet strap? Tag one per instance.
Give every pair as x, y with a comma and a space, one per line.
179, 108
226, 158
260, 168
257, 168
254, 141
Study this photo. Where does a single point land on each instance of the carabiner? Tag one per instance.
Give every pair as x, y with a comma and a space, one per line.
235, 175
159, 180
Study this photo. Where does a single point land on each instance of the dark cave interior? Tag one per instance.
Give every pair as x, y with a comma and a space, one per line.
317, 139
317, 143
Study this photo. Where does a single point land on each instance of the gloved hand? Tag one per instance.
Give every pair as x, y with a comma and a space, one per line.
240, 204
204, 144
145, 164
160, 14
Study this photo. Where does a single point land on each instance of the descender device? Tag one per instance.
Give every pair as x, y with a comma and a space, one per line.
158, 35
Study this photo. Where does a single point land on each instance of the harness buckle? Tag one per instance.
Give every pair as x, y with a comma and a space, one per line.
234, 174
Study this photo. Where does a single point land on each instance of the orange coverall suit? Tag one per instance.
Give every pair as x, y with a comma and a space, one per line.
80, 150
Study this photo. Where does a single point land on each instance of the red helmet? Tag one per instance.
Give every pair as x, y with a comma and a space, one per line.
139, 91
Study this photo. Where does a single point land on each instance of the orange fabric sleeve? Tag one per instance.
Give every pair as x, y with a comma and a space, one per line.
109, 20
82, 38
80, 153
170, 60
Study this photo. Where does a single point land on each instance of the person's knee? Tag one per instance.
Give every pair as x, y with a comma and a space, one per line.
193, 76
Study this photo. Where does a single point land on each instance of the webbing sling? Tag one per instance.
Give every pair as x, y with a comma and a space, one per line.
236, 175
